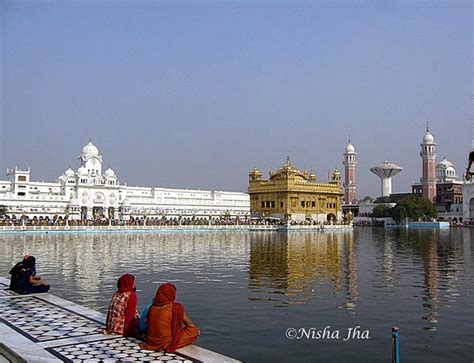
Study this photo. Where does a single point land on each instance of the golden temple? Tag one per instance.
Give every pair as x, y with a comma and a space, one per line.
293, 195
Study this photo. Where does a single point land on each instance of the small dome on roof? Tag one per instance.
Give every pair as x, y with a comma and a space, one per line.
82, 171
350, 148
109, 173
69, 173
445, 163
90, 150
428, 138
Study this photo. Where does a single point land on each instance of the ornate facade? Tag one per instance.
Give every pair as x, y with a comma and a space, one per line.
88, 193
291, 194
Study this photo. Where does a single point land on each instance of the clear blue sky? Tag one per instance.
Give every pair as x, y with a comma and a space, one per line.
195, 94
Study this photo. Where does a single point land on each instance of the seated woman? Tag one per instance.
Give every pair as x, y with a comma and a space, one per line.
23, 277
169, 328
142, 323
122, 316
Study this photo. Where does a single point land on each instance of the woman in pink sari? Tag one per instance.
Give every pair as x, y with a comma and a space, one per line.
122, 317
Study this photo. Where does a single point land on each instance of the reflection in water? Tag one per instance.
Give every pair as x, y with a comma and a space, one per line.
351, 272
301, 265
441, 263
431, 281
245, 288
388, 264
89, 264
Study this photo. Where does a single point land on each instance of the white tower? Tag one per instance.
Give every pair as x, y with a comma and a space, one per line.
385, 171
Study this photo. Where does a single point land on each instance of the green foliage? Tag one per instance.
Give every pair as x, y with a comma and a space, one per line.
383, 200
3, 210
414, 208
382, 211
367, 198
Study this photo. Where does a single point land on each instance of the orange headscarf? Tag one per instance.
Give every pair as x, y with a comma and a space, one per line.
166, 294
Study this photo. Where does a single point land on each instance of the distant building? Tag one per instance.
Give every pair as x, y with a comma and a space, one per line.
448, 188
386, 171
350, 186
428, 156
291, 194
468, 200
439, 182
88, 193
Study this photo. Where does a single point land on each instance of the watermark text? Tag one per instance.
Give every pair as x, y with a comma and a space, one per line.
326, 333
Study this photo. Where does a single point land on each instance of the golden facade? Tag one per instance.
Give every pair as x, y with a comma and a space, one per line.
291, 194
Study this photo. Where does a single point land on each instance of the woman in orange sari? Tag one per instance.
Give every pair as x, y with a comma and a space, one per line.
169, 328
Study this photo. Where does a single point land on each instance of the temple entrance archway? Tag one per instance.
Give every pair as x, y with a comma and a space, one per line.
331, 217
97, 211
83, 212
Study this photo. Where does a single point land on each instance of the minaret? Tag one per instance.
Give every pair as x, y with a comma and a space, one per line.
350, 185
428, 156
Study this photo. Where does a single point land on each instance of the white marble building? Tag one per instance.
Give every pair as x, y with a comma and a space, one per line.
468, 200
89, 192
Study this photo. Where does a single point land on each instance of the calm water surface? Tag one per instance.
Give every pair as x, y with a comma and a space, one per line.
245, 289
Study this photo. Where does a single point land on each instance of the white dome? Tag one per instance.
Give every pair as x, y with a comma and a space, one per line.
109, 173
90, 150
350, 148
82, 171
69, 173
428, 138
445, 163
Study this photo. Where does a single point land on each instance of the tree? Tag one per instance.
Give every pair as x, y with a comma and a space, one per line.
382, 211
383, 200
414, 208
367, 199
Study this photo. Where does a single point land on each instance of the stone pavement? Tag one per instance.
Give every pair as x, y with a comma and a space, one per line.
46, 328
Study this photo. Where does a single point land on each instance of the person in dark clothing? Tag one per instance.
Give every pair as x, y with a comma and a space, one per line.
468, 174
24, 280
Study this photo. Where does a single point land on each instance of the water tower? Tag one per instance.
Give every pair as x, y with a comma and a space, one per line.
385, 171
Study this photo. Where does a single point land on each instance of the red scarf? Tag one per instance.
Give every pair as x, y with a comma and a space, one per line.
166, 294
124, 284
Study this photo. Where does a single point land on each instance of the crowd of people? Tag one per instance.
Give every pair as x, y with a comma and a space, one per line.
148, 221
162, 326
132, 221
369, 222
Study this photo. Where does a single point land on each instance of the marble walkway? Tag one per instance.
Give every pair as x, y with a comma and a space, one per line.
46, 328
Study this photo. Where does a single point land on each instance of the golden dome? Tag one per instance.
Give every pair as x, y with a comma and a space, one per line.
288, 170
255, 174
